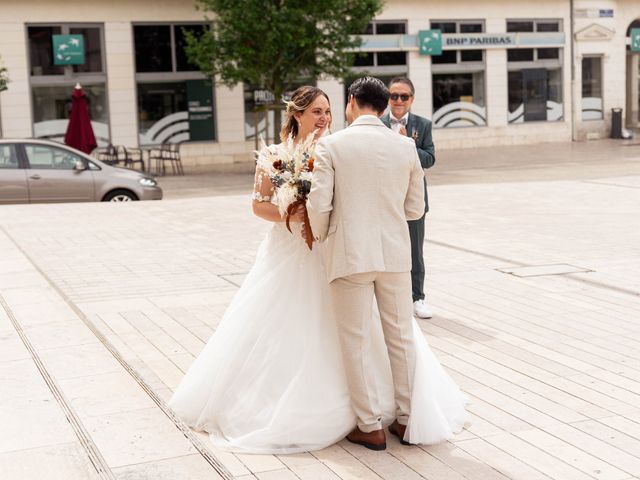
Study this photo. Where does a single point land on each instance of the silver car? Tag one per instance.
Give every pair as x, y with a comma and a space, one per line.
36, 171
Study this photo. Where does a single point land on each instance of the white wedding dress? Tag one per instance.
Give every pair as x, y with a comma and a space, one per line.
271, 378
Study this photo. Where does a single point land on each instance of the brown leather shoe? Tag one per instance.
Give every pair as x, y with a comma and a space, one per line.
375, 440
398, 430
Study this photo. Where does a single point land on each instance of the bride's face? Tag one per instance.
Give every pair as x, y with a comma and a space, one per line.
316, 117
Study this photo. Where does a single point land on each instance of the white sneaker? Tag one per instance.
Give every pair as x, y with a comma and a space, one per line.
421, 310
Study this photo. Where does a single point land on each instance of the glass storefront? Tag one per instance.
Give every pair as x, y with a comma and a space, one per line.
458, 80
534, 76
52, 85
592, 88
52, 108
163, 106
175, 100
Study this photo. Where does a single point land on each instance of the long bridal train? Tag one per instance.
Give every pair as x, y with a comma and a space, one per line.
271, 378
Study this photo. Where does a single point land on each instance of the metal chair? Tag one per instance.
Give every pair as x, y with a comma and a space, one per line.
108, 155
130, 157
167, 152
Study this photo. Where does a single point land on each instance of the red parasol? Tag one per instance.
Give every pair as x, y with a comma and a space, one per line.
79, 131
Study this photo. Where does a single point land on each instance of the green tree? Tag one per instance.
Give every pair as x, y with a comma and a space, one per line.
4, 78
273, 43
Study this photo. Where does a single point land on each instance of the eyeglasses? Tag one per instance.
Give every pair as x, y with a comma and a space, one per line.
404, 97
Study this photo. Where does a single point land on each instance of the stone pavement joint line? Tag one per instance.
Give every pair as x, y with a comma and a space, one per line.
93, 452
96, 458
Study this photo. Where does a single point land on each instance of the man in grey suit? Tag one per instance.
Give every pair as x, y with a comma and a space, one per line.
400, 120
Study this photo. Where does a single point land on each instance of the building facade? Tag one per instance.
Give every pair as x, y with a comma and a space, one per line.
502, 73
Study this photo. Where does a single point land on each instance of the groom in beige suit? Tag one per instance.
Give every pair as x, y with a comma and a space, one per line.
368, 182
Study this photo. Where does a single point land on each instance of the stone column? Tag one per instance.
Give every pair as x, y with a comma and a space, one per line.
15, 103
120, 59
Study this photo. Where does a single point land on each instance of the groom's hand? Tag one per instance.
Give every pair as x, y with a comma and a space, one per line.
403, 130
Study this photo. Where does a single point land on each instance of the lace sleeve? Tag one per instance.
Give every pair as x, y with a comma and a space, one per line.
262, 186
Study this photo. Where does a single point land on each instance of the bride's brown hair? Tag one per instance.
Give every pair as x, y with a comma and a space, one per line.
301, 99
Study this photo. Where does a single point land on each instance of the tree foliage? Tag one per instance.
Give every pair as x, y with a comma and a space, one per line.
273, 43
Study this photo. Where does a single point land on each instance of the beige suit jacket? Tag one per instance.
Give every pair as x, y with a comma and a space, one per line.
367, 182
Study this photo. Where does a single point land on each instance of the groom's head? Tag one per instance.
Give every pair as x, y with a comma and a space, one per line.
367, 96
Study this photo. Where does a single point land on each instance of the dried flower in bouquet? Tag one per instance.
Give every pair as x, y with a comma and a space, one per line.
290, 171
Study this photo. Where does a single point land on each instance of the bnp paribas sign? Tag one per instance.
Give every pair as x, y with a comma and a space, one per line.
68, 49
433, 42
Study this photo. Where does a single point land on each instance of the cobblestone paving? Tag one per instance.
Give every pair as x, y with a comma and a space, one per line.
533, 274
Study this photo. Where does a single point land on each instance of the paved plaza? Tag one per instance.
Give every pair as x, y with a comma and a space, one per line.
533, 272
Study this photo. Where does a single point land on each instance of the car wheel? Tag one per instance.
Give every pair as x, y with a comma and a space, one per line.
120, 196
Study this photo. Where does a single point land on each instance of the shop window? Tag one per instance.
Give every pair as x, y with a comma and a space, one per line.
457, 56
363, 60
175, 100
182, 62
52, 108
162, 106
52, 85
535, 94
534, 76
592, 88
458, 80
458, 100
41, 50
532, 54
92, 49
548, 53
520, 55
157, 46
153, 48
392, 58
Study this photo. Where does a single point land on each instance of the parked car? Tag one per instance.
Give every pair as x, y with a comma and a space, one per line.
37, 171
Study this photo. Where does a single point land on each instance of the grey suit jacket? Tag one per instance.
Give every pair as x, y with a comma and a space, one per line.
419, 128
367, 182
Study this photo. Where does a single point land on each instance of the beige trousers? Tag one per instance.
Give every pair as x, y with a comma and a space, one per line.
353, 304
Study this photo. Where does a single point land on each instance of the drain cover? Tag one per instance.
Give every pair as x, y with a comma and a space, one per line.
541, 270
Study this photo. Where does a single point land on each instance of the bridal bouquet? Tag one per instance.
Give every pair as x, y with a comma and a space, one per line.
290, 171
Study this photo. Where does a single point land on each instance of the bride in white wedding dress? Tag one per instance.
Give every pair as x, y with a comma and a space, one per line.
271, 378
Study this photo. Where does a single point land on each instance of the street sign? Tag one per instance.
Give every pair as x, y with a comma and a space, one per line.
635, 39
68, 49
430, 42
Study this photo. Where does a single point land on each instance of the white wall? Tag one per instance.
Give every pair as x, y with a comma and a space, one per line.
15, 103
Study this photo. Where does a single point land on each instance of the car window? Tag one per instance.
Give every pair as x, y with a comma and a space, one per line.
52, 158
8, 157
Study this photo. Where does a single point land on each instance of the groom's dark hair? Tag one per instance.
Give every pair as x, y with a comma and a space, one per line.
370, 92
